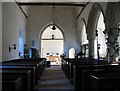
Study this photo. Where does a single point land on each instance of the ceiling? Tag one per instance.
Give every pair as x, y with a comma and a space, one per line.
25, 4
57, 1
53, 0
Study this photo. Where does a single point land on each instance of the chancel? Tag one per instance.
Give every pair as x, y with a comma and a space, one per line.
59, 45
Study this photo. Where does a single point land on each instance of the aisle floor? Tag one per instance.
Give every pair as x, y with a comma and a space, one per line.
54, 79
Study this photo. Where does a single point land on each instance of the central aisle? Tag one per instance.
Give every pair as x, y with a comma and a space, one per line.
54, 79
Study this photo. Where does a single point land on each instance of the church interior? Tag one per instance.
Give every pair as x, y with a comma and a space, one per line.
59, 45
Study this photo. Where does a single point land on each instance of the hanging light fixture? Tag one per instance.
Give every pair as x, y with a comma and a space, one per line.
52, 33
53, 18
53, 36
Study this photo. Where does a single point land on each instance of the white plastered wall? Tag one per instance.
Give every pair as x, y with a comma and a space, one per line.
13, 21
39, 17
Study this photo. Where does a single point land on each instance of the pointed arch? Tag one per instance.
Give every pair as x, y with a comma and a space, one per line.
93, 18
41, 32
101, 38
84, 33
95, 12
45, 38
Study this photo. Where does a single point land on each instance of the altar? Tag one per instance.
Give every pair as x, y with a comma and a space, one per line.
53, 58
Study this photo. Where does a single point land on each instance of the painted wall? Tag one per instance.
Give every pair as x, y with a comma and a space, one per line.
39, 17
13, 22
51, 46
0, 30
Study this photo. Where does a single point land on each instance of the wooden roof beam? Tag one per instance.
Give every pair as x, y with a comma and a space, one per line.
51, 4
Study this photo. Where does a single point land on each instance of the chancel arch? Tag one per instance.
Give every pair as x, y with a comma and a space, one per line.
52, 41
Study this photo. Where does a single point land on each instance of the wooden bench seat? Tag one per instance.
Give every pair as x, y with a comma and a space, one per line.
105, 82
32, 68
11, 83
86, 76
71, 63
78, 73
40, 64
22, 64
24, 74
19, 66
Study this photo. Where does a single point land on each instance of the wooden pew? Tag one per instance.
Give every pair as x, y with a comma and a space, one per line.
39, 62
81, 62
24, 64
86, 76
32, 68
105, 82
64, 65
78, 73
68, 64
11, 83
24, 74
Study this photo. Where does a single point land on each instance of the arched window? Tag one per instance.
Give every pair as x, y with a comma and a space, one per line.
71, 53
101, 38
21, 44
52, 42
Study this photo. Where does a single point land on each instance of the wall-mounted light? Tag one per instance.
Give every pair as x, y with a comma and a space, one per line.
14, 47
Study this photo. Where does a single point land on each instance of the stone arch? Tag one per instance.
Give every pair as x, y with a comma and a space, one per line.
42, 31
84, 31
92, 26
101, 38
48, 26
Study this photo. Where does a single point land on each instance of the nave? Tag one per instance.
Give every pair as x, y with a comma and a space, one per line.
85, 36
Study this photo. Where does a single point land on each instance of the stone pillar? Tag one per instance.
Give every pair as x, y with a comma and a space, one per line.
91, 47
112, 29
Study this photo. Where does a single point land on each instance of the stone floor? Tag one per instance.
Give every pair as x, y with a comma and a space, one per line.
54, 79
